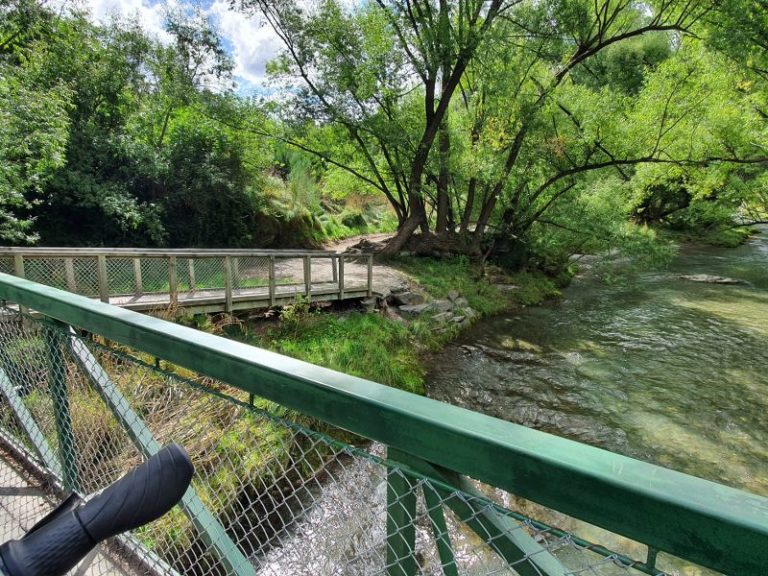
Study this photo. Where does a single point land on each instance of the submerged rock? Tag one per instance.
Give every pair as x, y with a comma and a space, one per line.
710, 279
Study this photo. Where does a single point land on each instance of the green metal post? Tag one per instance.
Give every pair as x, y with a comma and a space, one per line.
28, 423
57, 384
502, 534
440, 531
401, 532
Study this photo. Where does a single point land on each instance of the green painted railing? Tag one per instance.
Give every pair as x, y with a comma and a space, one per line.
435, 447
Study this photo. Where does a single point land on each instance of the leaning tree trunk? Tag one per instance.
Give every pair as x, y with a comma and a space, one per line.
404, 234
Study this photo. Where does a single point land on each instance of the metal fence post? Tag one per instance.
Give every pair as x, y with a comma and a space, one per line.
401, 513
57, 385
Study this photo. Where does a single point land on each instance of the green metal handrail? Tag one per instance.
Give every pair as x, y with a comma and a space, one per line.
712, 525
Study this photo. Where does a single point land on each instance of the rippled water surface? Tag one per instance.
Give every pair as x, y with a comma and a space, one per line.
663, 369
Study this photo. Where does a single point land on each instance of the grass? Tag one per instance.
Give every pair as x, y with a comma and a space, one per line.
389, 350
366, 345
488, 293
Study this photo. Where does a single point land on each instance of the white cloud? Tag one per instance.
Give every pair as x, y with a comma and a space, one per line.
149, 15
253, 44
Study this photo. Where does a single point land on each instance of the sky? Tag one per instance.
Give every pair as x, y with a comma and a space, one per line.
250, 44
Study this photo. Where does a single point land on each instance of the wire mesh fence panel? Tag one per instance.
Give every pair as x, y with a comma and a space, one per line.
323, 270
49, 271
121, 276
289, 271
250, 272
6, 265
209, 273
186, 274
86, 276
154, 275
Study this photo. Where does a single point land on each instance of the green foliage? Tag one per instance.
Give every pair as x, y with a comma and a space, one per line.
366, 345
440, 277
33, 139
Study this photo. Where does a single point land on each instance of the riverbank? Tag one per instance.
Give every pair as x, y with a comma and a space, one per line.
384, 346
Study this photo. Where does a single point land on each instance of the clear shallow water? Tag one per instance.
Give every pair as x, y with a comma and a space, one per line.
661, 369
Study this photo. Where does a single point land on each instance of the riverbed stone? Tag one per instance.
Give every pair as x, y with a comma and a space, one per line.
441, 305
368, 304
443, 317
413, 309
458, 319
710, 279
399, 288
407, 298
460, 302
453, 295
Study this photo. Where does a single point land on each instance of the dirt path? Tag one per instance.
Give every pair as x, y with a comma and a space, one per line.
384, 277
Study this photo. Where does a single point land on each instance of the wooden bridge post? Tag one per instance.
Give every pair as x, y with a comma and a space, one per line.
18, 265
137, 276
370, 275
69, 273
173, 284
101, 272
308, 276
228, 284
236, 273
334, 270
341, 277
18, 270
191, 268
272, 287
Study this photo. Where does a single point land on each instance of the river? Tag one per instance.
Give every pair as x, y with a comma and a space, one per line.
659, 368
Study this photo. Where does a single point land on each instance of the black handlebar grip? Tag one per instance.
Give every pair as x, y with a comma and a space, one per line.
139, 497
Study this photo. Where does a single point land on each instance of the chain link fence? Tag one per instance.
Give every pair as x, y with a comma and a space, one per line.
274, 494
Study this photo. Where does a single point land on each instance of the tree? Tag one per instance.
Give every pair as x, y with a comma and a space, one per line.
33, 117
459, 112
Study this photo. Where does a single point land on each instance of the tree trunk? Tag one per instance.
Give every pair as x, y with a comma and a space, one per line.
443, 200
402, 237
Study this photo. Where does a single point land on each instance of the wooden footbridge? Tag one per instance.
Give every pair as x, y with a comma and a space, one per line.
199, 281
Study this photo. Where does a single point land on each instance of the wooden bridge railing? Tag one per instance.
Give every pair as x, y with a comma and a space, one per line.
202, 279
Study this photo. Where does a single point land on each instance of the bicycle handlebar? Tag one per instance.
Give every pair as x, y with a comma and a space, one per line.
57, 544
